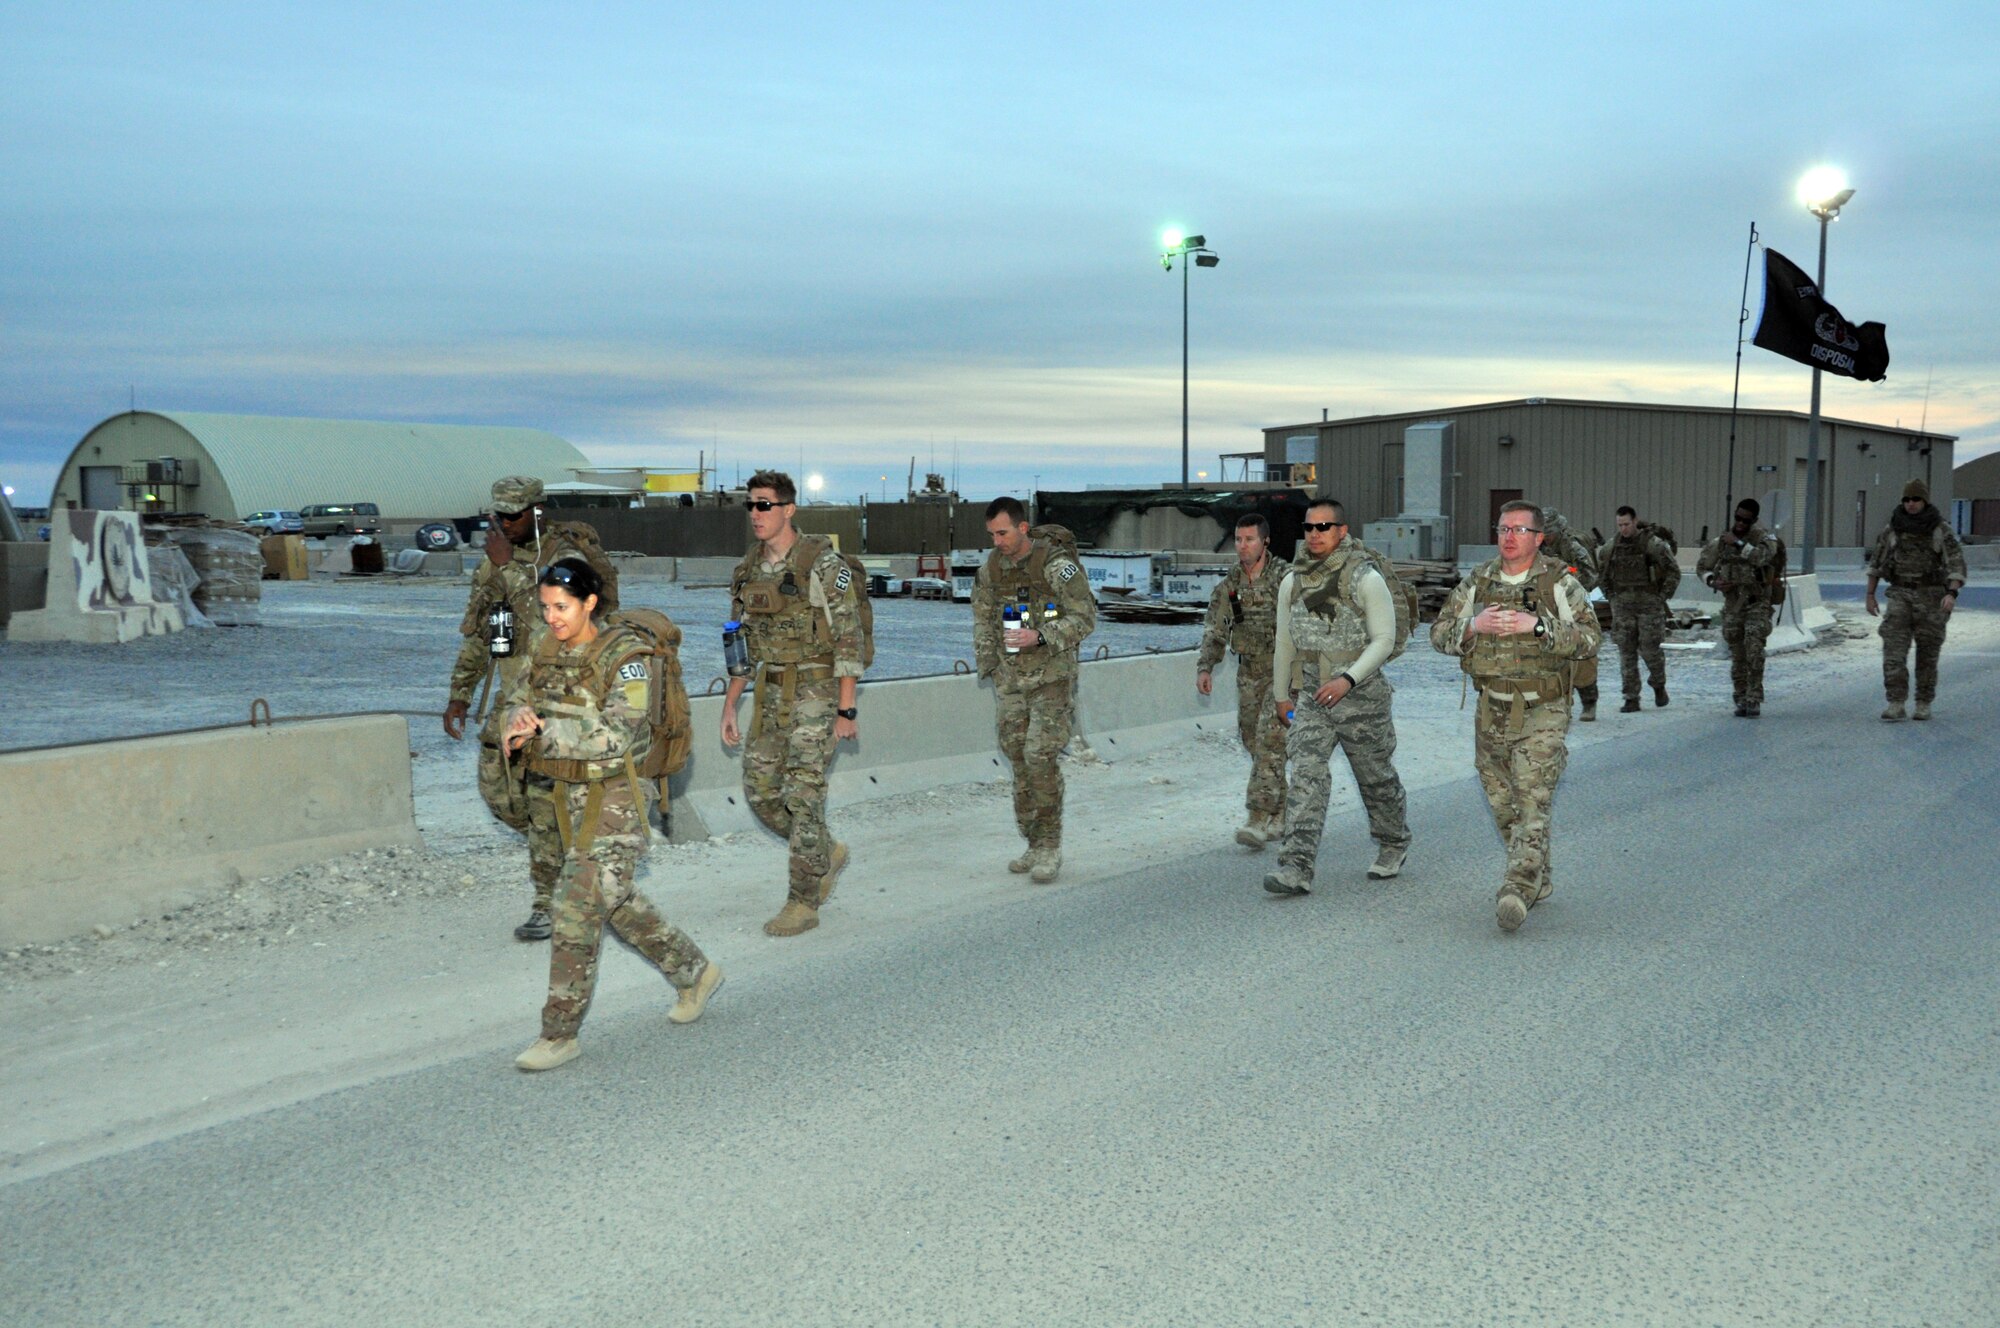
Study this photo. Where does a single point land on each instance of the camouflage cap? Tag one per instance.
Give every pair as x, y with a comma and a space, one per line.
1916, 489
516, 493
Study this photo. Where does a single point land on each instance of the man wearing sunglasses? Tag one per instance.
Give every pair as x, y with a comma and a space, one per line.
1743, 563
798, 602
1519, 625
1243, 618
1336, 627
502, 624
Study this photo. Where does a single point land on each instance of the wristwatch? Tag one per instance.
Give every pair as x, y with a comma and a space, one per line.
849, 712
1541, 628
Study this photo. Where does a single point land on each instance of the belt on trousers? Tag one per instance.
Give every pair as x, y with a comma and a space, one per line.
1521, 700
786, 676
578, 839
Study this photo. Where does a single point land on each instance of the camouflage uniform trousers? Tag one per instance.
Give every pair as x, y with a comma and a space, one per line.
1519, 768
1745, 625
1256, 724
1638, 626
1034, 725
1915, 614
525, 803
784, 778
1362, 725
597, 887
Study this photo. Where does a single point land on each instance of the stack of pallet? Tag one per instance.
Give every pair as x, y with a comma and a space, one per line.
1433, 580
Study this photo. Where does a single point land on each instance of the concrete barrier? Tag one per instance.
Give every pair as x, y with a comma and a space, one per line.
24, 577
105, 832
920, 733
99, 587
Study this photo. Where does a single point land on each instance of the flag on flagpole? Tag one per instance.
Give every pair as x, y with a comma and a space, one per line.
1797, 323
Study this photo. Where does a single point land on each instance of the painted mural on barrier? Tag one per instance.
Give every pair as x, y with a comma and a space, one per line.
110, 560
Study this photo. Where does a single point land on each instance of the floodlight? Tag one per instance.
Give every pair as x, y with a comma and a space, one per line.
1207, 260
1195, 241
1824, 190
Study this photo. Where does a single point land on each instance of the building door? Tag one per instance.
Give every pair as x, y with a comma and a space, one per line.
102, 490
1392, 482
1499, 499
1861, 518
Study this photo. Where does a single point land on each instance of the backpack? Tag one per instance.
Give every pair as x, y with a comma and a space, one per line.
584, 537
1061, 536
671, 718
1664, 532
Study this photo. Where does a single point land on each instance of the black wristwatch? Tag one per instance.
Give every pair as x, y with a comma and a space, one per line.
1953, 591
849, 712
1541, 628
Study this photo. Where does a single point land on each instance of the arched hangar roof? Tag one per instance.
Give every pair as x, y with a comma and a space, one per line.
255, 462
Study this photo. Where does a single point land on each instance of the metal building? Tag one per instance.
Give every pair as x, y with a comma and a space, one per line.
1589, 457
227, 466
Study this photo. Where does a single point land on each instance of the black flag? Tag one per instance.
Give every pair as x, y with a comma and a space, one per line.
1799, 324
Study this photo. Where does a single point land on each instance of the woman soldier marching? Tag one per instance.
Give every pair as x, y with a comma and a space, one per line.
584, 725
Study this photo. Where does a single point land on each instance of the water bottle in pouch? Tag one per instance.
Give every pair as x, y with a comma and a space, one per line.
735, 650
500, 629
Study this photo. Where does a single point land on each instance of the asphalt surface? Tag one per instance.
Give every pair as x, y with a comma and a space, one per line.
1742, 1068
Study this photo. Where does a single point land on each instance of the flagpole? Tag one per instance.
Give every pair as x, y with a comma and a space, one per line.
1807, 563
1742, 317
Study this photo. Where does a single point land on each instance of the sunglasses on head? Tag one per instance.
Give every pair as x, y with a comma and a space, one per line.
558, 575
1322, 525
764, 504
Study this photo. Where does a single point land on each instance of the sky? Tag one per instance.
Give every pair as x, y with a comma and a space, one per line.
837, 238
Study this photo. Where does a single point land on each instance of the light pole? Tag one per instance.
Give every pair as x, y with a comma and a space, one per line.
1824, 191
1176, 245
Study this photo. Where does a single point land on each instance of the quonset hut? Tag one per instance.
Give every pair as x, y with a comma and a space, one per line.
227, 466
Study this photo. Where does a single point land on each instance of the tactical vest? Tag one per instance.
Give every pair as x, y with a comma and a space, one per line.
575, 683
1627, 567
1253, 614
1912, 560
1026, 584
1520, 666
780, 624
1329, 630
1735, 576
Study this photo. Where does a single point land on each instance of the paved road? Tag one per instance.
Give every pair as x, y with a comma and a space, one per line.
1742, 1069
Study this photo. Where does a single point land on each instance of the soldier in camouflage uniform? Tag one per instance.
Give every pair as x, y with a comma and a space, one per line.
1034, 669
1336, 628
518, 547
797, 601
1920, 558
1560, 542
1640, 574
1519, 624
581, 719
1740, 563
1243, 617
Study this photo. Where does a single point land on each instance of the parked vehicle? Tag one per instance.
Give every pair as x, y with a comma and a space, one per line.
341, 519
280, 522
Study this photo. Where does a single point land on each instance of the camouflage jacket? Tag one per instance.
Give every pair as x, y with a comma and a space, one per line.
820, 620
512, 584
1740, 570
1243, 617
1641, 565
1559, 541
594, 702
1571, 631
1908, 559
1046, 576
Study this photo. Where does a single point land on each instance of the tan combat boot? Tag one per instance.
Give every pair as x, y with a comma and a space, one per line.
1923, 710
547, 1053
1893, 712
1024, 864
1048, 862
694, 999
1251, 834
1512, 910
1388, 861
795, 917
838, 861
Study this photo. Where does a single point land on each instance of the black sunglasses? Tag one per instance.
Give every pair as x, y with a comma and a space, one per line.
499, 515
764, 504
558, 575
1322, 525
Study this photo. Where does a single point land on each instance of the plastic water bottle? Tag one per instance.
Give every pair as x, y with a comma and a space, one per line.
1010, 621
735, 650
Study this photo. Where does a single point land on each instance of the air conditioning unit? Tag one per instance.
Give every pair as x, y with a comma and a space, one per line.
1411, 539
